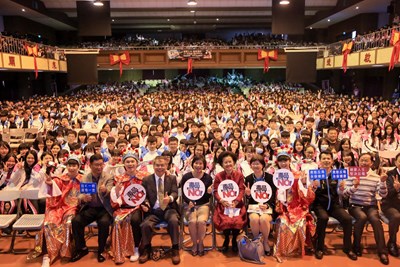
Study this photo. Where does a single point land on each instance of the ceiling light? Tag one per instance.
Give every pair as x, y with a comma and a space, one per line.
357, 7
217, 19
98, 3
191, 3
310, 28
168, 19
192, 11
23, 10
284, 2
113, 20
194, 22
329, 20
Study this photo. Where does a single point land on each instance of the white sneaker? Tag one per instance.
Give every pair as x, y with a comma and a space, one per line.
46, 261
135, 255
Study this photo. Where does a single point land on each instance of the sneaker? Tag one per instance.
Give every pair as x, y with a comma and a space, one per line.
135, 255
46, 261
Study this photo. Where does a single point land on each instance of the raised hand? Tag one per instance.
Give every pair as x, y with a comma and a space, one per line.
166, 199
247, 190
384, 175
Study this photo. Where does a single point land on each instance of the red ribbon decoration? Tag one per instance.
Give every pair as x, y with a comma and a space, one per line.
190, 65
121, 59
395, 42
33, 51
346, 51
267, 55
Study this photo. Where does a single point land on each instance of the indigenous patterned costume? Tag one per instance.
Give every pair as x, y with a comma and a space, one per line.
296, 226
61, 206
122, 244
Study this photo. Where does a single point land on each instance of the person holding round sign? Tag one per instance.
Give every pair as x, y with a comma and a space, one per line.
126, 197
261, 191
230, 212
197, 189
296, 225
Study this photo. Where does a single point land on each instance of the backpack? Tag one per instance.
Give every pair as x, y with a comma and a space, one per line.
251, 250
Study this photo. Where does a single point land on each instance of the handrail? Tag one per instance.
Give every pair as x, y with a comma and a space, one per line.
17, 46
377, 39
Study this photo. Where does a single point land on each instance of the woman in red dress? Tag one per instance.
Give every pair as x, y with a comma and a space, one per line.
127, 219
229, 223
296, 225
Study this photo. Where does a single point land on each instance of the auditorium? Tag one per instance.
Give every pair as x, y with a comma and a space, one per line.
199, 132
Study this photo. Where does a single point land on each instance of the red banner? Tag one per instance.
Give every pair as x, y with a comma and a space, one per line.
395, 42
121, 59
190, 65
267, 55
33, 51
346, 51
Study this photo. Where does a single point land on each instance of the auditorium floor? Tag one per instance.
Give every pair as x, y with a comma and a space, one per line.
213, 258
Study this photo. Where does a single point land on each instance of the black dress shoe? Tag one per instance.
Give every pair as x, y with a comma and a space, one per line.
384, 259
202, 253
144, 256
319, 254
358, 252
79, 255
267, 253
194, 253
176, 259
393, 250
235, 248
225, 246
100, 258
351, 255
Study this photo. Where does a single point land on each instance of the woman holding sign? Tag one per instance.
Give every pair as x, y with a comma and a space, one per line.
197, 189
261, 192
230, 212
296, 226
127, 212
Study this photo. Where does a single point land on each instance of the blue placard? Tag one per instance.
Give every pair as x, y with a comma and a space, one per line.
88, 188
339, 174
317, 174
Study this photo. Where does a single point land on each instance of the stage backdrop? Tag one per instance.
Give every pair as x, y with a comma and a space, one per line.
301, 67
82, 69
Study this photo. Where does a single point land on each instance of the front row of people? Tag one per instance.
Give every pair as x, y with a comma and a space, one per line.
68, 211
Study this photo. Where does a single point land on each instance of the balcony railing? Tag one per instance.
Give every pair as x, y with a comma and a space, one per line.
378, 39
18, 46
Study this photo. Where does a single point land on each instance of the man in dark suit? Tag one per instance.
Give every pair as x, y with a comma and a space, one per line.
160, 205
326, 204
391, 206
95, 207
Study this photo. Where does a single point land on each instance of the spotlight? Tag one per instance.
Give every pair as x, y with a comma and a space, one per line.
284, 2
98, 3
191, 3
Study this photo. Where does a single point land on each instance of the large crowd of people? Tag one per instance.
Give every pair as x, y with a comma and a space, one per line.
117, 137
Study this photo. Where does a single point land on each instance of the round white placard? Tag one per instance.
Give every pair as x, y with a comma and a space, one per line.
283, 179
134, 195
194, 189
228, 190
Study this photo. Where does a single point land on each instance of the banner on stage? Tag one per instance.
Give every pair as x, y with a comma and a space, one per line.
196, 53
